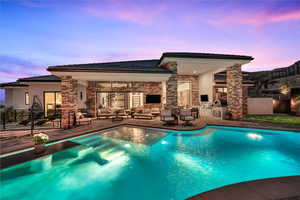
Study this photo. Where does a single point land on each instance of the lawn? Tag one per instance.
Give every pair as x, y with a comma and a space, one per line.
278, 119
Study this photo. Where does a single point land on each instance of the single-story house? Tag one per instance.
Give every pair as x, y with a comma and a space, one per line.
176, 79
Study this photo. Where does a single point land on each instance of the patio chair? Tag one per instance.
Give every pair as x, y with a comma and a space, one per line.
186, 116
195, 112
80, 119
166, 116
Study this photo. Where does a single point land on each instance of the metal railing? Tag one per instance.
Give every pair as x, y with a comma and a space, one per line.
26, 120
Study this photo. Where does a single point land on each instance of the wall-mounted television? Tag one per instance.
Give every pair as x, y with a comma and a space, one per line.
204, 98
152, 98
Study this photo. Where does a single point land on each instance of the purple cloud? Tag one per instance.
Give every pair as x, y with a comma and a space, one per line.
12, 68
138, 12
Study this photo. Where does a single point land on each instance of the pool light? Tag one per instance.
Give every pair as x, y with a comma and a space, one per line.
127, 145
164, 142
254, 136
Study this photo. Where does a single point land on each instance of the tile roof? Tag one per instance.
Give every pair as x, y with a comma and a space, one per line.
12, 84
46, 78
137, 66
205, 55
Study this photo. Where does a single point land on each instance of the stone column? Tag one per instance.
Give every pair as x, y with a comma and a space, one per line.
69, 101
195, 91
245, 100
91, 98
235, 91
171, 85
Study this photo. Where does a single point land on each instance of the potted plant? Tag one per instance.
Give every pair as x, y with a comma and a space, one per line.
39, 141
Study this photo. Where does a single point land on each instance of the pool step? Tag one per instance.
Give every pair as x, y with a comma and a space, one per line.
80, 150
87, 139
110, 156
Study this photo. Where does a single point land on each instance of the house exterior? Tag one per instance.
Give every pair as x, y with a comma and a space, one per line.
281, 84
176, 79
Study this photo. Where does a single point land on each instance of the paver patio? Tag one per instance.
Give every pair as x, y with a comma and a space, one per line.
17, 140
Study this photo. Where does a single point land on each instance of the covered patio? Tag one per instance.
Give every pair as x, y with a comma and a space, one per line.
176, 80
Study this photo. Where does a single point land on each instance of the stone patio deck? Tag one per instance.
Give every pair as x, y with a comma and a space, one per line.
17, 140
282, 188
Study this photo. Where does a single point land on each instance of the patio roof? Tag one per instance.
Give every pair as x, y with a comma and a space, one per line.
205, 55
12, 84
46, 78
135, 66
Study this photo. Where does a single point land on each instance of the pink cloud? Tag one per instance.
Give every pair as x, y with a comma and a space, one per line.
127, 10
259, 18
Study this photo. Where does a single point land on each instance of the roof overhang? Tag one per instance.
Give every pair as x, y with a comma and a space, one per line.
196, 66
12, 85
104, 76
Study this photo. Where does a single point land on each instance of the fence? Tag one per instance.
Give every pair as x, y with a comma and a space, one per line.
260, 106
25, 120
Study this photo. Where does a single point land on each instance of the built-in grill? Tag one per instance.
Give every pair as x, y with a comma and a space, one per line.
219, 108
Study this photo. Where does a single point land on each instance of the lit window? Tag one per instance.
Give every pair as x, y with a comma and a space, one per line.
119, 85
104, 85
26, 98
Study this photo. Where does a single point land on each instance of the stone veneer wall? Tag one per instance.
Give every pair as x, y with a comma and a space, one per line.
171, 85
195, 87
152, 88
69, 101
149, 88
245, 100
235, 91
91, 98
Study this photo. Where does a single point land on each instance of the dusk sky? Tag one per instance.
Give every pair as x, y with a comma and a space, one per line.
39, 33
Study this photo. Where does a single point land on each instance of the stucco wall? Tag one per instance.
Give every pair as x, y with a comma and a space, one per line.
206, 85
260, 106
38, 89
16, 97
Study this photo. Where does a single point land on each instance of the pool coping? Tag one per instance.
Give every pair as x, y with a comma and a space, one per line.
22, 157
162, 127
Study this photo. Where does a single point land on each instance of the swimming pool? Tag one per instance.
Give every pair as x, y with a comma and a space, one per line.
136, 163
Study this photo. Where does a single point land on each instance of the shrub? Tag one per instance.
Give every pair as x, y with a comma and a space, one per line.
40, 138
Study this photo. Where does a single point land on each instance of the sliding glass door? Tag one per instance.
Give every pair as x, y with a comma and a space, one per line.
52, 103
184, 89
119, 100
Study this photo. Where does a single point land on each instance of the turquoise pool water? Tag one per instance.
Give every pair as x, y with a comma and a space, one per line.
172, 165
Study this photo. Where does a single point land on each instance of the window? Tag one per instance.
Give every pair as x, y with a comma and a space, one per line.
104, 85
184, 93
220, 93
119, 100
119, 85
52, 103
81, 96
26, 98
